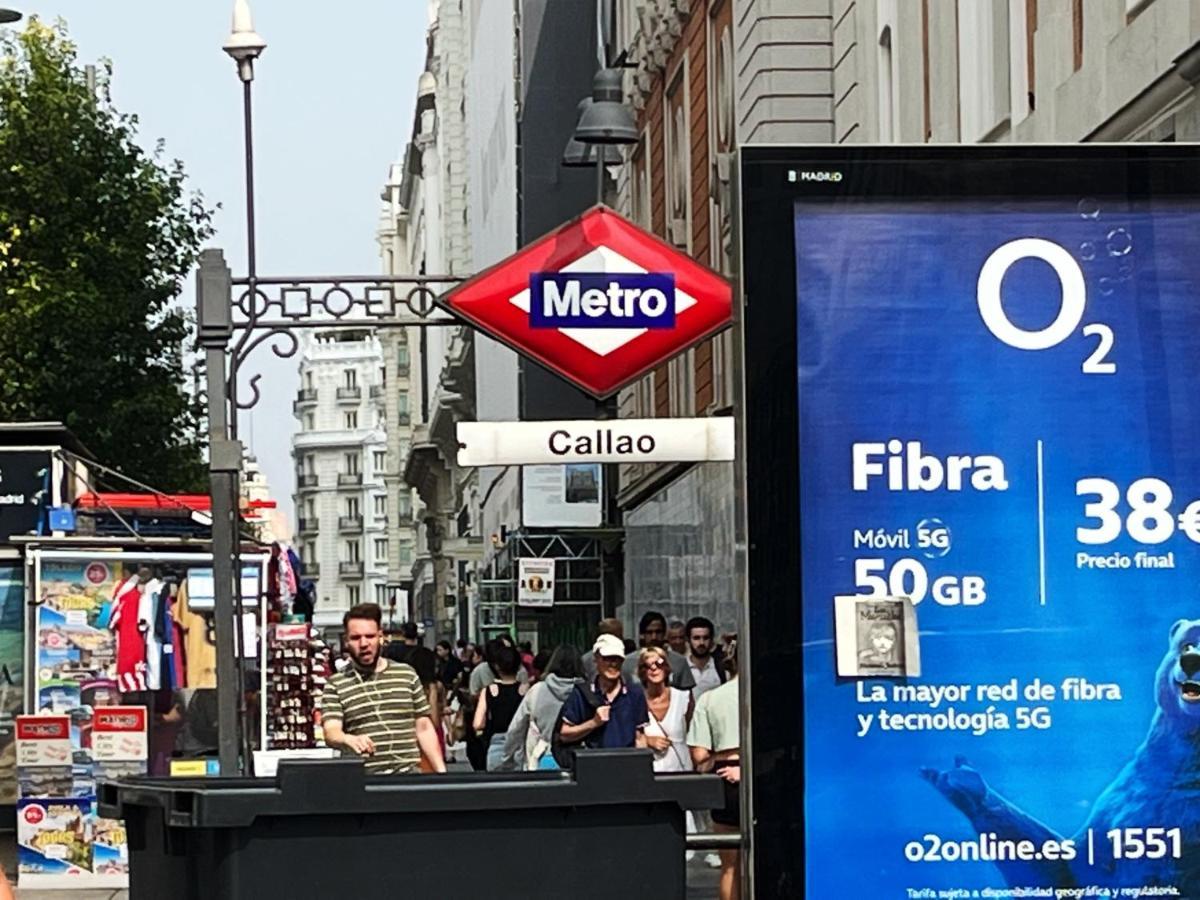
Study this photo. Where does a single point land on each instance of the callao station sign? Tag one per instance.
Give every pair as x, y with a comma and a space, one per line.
600, 302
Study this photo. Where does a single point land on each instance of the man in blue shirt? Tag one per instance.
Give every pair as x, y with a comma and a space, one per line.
610, 711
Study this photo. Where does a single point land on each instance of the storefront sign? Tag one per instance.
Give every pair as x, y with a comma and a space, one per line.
599, 301
997, 415
23, 477
119, 734
43, 741
535, 582
599, 441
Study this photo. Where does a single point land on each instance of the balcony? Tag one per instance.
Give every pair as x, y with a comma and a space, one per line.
350, 524
312, 570
349, 393
305, 397
350, 479
377, 391
306, 480
307, 526
350, 568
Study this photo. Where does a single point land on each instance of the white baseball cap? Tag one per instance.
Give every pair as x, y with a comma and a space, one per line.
609, 645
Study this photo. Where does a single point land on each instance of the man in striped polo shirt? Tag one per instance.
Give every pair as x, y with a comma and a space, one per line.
377, 708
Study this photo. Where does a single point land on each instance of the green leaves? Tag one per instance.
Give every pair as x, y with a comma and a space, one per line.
96, 239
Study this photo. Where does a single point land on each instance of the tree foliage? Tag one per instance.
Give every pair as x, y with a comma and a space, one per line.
96, 238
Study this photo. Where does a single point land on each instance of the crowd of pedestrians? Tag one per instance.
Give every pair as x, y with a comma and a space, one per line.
405, 707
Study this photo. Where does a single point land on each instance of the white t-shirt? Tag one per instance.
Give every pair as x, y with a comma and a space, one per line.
706, 679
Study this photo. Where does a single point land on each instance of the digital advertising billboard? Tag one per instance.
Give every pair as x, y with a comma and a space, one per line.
971, 382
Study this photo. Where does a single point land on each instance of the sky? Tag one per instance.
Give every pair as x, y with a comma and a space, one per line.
333, 104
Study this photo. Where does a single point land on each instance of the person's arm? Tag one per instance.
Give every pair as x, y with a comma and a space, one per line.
574, 733
687, 716
431, 747
480, 720
699, 737
701, 758
331, 725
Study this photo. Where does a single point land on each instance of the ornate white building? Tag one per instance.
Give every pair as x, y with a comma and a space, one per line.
340, 451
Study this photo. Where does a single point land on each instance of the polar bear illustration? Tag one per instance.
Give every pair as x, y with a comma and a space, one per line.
1158, 788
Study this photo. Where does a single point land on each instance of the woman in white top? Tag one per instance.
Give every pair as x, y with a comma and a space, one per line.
670, 714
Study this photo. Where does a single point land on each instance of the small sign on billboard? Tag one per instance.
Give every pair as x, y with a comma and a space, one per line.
535, 582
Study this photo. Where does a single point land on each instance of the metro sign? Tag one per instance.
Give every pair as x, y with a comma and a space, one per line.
599, 301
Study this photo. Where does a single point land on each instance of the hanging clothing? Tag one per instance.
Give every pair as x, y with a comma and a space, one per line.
164, 630
200, 653
672, 726
124, 622
147, 607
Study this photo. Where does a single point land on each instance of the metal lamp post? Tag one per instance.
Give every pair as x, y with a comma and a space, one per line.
604, 122
213, 286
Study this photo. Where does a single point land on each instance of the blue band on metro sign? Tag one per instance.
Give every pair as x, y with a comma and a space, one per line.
601, 300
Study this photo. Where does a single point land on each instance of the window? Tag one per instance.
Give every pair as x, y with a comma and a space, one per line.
310, 422
381, 549
1022, 24
887, 89
350, 420
406, 555
310, 508
308, 380
643, 402
723, 370
310, 464
351, 378
352, 551
682, 380
353, 594
983, 54
383, 375
402, 361
352, 507
721, 135
351, 461
381, 596
379, 459
402, 403
405, 503
678, 160
379, 506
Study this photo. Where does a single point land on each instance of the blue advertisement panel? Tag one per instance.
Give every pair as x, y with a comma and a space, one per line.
999, 418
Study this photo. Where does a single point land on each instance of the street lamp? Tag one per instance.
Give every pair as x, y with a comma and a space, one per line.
9, 15
244, 45
604, 122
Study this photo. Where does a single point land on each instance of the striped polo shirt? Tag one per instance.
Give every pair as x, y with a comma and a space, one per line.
383, 706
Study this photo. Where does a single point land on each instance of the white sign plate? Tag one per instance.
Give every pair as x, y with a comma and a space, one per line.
596, 441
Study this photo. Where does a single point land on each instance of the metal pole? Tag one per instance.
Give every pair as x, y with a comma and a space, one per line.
235, 496
598, 149
215, 317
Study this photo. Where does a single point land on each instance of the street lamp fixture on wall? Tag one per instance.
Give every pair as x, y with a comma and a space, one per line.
579, 155
607, 120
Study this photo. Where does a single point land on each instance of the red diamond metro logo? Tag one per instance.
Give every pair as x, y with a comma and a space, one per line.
599, 301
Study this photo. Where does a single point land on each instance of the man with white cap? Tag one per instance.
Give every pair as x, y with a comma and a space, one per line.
609, 711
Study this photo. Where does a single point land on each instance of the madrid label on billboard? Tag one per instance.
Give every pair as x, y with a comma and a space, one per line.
992, 410
598, 301
596, 441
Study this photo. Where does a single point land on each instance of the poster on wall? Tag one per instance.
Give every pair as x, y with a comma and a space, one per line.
535, 582
568, 496
999, 417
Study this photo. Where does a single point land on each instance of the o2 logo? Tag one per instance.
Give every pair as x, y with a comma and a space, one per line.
1070, 309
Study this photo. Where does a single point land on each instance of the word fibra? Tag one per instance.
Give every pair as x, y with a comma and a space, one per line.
908, 468
601, 300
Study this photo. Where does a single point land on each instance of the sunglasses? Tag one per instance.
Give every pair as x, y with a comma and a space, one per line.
655, 666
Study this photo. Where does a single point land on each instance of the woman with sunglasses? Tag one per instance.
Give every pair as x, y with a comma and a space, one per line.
670, 712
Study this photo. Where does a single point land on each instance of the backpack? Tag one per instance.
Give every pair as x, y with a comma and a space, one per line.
564, 754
